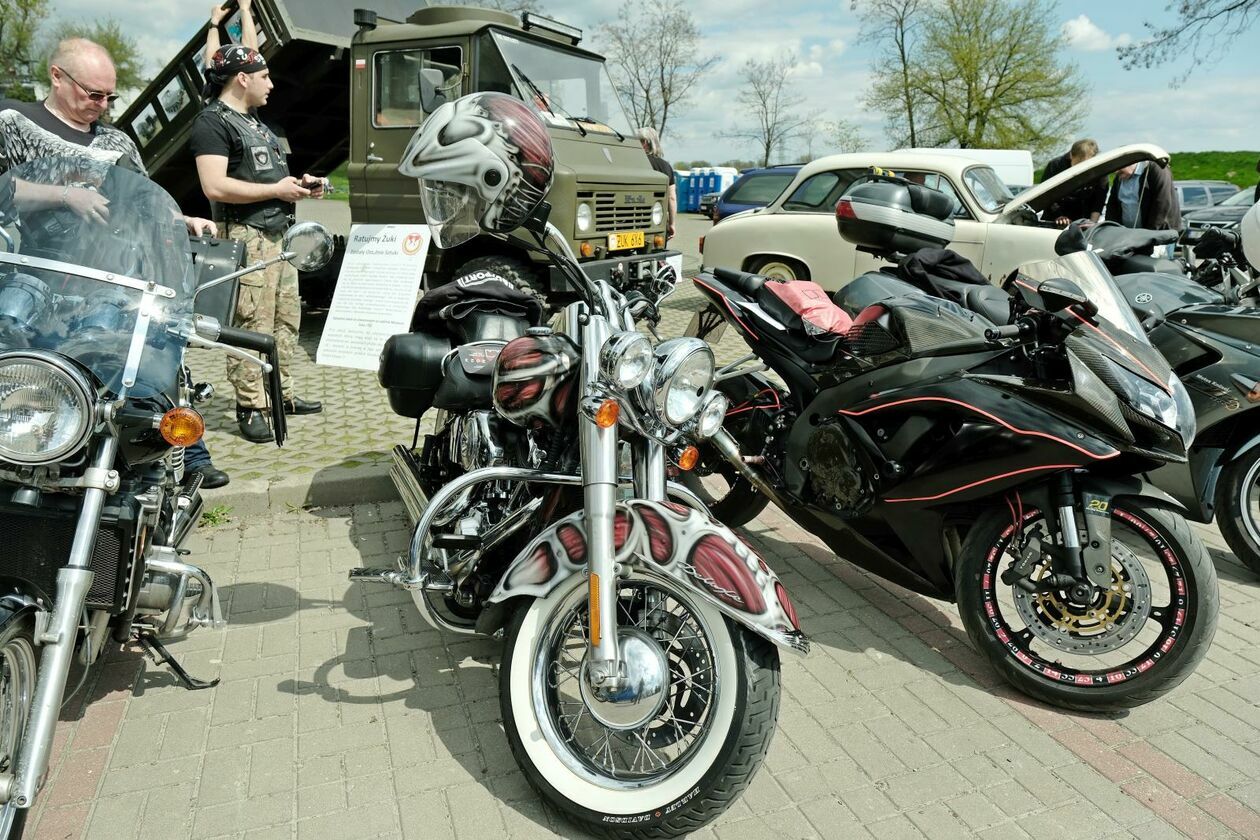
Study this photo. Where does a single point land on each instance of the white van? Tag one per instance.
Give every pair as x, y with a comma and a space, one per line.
1013, 166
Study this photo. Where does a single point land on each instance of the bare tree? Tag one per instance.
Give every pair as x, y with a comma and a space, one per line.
894, 24
19, 20
772, 109
512, 6
1201, 31
655, 59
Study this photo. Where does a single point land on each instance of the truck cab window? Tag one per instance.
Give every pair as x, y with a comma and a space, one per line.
407, 80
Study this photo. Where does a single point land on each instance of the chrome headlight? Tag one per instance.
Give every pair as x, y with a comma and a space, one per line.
625, 360
658, 213
682, 379
712, 415
584, 217
45, 409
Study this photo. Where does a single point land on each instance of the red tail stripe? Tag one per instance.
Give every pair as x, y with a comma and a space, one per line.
985, 481
727, 303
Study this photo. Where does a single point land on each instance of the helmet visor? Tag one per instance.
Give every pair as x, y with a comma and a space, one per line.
451, 210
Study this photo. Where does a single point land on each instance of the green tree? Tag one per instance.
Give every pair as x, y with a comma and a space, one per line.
654, 59
1200, 32
19, 64
110, 34
894, 24
988, 74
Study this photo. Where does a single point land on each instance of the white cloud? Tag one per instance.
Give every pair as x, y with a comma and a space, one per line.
1085, 35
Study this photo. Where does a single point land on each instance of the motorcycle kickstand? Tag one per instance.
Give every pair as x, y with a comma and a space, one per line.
162, 656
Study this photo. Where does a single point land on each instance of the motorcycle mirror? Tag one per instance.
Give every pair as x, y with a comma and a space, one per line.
308, 246
1071, 241
1055, 294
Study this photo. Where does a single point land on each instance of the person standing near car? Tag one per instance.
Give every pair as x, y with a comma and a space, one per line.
69, 123
244, 172
650, 140
1084, 203
1143, 196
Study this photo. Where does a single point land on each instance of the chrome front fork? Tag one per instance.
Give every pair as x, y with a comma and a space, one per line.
58, 641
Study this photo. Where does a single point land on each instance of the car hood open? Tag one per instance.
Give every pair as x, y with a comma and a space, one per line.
1040, 197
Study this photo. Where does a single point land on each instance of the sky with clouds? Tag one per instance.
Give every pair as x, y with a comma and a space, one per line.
1217, 108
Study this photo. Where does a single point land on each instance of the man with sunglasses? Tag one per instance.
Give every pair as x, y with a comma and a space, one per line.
68, 124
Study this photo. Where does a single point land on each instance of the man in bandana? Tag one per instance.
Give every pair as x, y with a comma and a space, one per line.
243, 171
68, 123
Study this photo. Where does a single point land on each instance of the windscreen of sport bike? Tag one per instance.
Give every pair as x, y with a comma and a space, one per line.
95, 265
1115, 332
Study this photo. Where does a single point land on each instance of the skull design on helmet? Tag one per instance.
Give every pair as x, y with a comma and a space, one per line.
484, 162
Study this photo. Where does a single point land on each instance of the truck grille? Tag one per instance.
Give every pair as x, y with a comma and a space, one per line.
613, 214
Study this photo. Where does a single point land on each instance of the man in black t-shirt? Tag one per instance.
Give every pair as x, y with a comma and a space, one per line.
245, 174
650, 140
1084, 203
68, 124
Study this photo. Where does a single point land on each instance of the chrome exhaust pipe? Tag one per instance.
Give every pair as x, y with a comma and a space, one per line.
404, 471
729, 449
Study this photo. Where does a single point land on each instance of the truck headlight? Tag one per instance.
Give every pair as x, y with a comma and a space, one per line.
658, 213
45, 408
584, 217
682, 379
626, 359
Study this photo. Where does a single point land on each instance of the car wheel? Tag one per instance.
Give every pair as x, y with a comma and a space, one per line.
780, 268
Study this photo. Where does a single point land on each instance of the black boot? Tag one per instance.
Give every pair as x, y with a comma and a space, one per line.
211, 476
297, 405
253, 425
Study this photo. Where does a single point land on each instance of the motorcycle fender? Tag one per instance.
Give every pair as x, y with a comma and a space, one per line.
15, 608
1118, 487
668, 540
1245, 448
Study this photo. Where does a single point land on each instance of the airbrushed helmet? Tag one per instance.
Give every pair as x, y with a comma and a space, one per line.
484, 162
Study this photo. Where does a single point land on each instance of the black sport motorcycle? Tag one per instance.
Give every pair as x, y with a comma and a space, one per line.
96, 310
971, 459
1206, 323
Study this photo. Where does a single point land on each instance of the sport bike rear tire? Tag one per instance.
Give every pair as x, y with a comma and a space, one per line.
1238, 508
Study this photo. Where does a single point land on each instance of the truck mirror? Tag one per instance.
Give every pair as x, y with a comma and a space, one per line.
308, 246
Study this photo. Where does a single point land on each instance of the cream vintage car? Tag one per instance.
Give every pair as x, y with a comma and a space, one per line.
795, 236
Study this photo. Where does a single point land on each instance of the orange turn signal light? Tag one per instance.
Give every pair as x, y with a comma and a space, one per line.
586, 249
182, 427
607, 413
658, 241
688, 458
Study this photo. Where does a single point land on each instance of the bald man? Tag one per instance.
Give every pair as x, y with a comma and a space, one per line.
68, 123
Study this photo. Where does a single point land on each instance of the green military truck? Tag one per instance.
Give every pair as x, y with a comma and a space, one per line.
354, 86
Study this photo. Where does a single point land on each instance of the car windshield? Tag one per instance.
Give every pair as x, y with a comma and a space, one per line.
1242, 198
761, 188
95, 265
566, 87
987, 188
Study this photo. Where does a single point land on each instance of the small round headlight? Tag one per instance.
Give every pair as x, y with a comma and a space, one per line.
584, 217
626, 359
683, 377
712, 415
45, 409
658, 213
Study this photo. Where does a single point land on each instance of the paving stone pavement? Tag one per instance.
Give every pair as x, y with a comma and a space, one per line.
341, 714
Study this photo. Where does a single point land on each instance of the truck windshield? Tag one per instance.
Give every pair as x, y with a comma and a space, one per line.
566, 88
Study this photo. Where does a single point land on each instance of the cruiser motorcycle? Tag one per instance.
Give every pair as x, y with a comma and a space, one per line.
639, 685
983, 460
96, 310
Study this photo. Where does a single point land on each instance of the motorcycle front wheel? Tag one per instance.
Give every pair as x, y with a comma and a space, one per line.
661, 767
1133, 641
1238, 508
17, 693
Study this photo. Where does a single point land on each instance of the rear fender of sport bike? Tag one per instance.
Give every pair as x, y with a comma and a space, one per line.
665, 539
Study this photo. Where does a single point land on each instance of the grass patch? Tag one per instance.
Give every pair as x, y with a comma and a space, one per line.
215, 516
341, 184
1236, 167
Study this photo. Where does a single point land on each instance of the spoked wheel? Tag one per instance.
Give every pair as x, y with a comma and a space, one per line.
17, 691
1238, 508
1124, 645
663, 762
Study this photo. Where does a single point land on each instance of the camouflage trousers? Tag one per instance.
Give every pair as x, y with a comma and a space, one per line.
268, 303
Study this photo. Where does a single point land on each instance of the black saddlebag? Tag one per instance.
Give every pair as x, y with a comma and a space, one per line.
411, 371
